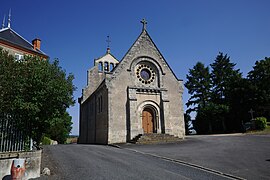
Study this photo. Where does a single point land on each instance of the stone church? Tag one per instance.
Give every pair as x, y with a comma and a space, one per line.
129, 98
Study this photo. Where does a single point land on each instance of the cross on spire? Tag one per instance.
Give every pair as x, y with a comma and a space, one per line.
144, 22
9, 18
3, 23
108, 41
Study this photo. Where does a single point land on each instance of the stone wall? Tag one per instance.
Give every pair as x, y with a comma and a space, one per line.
33, 162
125, 95
124, 101
94, 117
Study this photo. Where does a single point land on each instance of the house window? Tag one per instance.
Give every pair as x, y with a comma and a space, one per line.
18, 56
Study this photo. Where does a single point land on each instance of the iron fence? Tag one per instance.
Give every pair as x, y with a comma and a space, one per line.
11, 138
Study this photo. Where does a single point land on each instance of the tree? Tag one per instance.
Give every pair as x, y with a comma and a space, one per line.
60, 128
187, 120
229, 96
224, 79
223, 76
239, 102
34, 93
198, 85
211, 118
259, 78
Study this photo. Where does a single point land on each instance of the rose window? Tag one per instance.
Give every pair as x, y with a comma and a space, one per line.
145, 74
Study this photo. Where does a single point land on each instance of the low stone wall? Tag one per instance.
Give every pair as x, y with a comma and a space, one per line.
33, 161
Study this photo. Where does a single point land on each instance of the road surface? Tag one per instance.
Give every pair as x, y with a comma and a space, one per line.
106, 162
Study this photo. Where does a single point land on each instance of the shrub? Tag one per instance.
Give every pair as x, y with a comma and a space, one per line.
260, 123
46, 141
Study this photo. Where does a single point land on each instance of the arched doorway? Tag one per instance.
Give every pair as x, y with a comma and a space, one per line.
148, 121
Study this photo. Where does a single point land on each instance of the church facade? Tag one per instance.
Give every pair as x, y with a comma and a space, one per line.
138, 95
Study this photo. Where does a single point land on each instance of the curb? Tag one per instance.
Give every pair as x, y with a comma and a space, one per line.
114, 145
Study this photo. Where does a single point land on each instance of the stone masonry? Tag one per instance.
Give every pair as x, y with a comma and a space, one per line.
138, 95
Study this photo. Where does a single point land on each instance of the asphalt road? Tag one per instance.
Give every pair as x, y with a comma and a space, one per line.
106, 162
246, 156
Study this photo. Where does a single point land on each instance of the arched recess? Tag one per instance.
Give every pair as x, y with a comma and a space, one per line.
148, 59
106, 66
111, 66
100, 66
149, 108
152, 63
149, 123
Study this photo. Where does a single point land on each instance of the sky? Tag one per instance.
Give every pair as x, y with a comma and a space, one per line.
185, 31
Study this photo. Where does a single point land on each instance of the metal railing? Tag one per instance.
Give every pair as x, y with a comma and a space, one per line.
11, 138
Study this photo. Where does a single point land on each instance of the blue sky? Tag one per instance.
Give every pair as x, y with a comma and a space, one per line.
185, 31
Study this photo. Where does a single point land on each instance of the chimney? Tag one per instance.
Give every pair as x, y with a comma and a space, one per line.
36, 43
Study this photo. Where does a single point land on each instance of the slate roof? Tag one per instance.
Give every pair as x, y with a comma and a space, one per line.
10, 36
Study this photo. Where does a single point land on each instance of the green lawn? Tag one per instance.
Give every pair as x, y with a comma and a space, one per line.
266, 131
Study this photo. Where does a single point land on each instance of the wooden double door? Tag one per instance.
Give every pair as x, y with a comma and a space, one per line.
148, 120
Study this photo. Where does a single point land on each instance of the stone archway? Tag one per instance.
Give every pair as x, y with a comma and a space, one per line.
149, 121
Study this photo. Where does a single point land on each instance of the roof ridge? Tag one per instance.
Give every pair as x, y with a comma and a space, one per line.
17, 34
105, 55
3, 29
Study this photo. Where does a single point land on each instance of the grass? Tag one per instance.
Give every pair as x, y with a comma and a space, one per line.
265, 131
72, 140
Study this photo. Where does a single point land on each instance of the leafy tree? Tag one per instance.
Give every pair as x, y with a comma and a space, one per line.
198, 85
60, 128
34, 92
259, 78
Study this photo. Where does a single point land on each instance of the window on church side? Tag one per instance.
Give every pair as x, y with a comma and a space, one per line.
91, 108
100, 66
99, 104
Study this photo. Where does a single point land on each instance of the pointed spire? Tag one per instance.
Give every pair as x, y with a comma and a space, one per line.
9, 18
3, 23
108, 46
144, 22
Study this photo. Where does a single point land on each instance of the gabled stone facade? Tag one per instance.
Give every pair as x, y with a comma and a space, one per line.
139, 95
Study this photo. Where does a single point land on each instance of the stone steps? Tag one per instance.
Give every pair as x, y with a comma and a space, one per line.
154, 139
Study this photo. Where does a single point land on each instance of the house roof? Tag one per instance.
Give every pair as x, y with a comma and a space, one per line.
10, 36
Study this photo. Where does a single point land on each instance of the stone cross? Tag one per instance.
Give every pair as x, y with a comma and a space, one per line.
251, 113
144, 22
